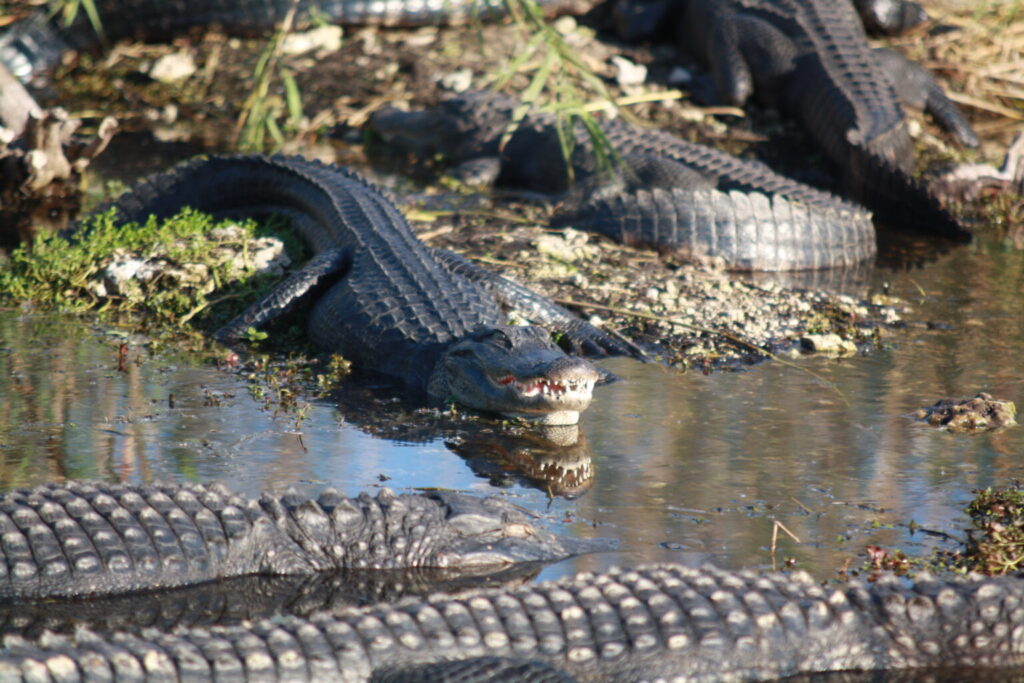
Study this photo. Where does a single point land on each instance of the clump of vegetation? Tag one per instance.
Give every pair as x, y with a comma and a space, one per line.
170, 271
261, 111
995, 543
566, 80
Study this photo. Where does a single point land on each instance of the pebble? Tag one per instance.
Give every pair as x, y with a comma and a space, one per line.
321, 38
457, 81
173, 67
628, 73
828, 343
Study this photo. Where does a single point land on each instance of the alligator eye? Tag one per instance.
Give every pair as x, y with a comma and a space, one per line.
461, 353
501, 338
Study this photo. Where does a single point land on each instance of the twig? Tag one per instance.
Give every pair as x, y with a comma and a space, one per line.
776, 525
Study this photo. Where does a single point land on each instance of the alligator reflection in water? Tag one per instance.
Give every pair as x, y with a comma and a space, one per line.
555, 459
250, 597
552, 458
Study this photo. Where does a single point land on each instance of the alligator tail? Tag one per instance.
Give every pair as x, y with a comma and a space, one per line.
748, 231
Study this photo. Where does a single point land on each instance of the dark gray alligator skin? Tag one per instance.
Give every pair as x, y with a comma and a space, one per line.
739, 211
811, 57
655, 623
398, 307
89, 539
34, 45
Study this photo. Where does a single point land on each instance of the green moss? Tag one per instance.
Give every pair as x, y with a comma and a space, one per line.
193, 261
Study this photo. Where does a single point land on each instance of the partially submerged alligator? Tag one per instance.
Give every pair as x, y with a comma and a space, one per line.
428, 318
811, 58
663, 622
83, 539
673, 194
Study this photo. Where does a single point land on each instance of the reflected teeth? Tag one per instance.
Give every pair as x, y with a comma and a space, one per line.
547, 387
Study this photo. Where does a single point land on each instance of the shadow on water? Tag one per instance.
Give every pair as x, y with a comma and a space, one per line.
251, 597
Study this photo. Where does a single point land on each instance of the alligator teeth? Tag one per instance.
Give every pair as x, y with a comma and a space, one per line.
548, 387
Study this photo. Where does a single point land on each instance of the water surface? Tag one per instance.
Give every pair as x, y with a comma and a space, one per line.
685, 466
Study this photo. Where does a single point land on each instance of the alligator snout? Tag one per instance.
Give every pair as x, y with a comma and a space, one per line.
520, 372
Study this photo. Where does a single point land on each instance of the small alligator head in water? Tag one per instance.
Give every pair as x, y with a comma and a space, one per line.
518, 372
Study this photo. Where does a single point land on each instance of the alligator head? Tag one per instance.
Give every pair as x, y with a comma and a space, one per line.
515, 371
436, 529
493, 532
464, 126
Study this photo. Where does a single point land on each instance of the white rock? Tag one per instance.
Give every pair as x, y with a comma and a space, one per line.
828, 343
627, 73
173, 67
320, 38
457, 81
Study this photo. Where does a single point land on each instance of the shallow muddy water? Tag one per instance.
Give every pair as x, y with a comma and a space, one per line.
675, 466
685, 466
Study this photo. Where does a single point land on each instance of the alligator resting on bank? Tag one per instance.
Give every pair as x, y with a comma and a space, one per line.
88, 539
428, 318
811, 58
671, 194
664, 623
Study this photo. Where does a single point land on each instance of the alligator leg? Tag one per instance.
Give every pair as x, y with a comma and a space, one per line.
916, 88
739, 50
324, 268
584, 338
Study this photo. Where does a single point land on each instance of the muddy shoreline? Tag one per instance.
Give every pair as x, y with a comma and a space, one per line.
689, 315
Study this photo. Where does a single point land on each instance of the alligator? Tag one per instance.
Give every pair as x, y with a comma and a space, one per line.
427, 318
671, 194
661, 622
88, 539
32, 46
811, 58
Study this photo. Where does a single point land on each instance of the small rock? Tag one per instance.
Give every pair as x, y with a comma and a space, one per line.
628, 73
827, 343
565, 24
321, 38
227, 233
173, 67
457, 81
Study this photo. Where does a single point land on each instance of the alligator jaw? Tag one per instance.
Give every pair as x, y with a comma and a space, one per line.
494, 532
546, 394
519, 372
